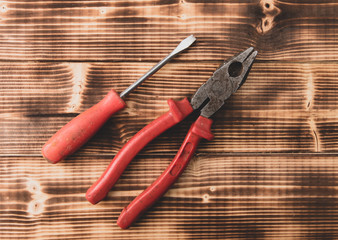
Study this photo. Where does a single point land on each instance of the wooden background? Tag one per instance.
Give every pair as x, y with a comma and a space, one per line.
270, 173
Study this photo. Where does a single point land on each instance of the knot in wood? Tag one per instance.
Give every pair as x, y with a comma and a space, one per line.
270, 11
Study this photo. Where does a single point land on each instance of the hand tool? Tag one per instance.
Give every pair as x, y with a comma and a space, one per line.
79, 130
208, 99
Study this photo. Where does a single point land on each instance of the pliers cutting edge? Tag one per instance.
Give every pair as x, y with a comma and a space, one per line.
209, 98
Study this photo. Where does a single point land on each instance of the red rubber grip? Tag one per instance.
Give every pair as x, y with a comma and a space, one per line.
178, 110
200, 129
79, 130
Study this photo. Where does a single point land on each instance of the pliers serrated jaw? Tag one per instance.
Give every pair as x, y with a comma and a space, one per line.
225, 81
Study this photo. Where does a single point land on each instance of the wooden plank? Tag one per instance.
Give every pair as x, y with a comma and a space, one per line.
144, 30
27, 88
270, 172
275, 111
232, 134
60, 88
217, 197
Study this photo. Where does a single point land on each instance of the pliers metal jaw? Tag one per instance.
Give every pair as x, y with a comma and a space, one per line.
209, 98
225, 81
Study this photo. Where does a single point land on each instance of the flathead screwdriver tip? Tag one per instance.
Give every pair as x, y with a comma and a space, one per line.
187, 42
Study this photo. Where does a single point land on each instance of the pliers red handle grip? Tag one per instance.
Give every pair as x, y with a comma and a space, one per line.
178, 110
198, 130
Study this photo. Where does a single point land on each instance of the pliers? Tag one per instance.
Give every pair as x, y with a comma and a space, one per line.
209, 98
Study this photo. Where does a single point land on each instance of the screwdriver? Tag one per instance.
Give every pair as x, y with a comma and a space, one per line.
80, 129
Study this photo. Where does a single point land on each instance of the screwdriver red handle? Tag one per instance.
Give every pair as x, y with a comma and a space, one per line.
178, 110
200, 129
79, 130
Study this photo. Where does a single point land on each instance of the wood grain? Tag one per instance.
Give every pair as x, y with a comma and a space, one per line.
266, 115
217, 197
270, 172
144, 30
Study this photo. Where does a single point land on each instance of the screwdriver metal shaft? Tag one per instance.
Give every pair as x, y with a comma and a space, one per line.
182, 46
